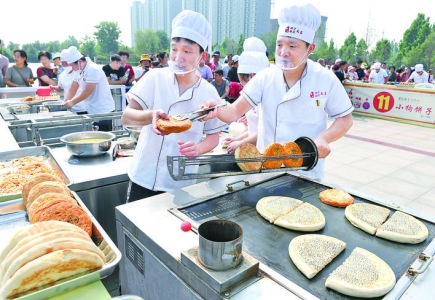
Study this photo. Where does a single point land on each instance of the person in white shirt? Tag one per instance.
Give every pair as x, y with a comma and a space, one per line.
171, 91
296, 95
94, 88
419, 75
378, 75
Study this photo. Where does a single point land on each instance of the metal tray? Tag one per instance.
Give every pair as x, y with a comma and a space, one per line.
10, 223
33, 151
269, 243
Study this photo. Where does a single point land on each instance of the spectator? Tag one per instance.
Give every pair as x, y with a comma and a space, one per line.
342, 64
379, 76
359, 70
232, 73
4, 62
419, 76
351, 73
215, 62
57, 65
228, 64
144, 66
209, 64
368, 70
45, 73
114, 72
336, 70
430, 80
393, 75
329, 63
163, 59
92, 85
384, 67
406, 74
128, 69
399, 75
221, 84
321, 61
19, 75
155, 64
205, 71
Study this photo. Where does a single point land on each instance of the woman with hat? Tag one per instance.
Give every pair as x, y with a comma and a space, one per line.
170, 91
296, 94
144, 66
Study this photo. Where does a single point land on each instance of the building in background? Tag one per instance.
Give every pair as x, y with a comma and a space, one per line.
228, 18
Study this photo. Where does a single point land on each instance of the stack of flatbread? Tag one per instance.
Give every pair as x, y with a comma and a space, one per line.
47, 198
43, 253
291, 213
401, 227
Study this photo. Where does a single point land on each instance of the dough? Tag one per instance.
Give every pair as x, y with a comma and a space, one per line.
305, 217
273, 207
312, 252
367, 217
362, 275
336, 197
403, 228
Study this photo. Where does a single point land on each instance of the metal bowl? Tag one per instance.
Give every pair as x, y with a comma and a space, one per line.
19, 108
88, 149
134, 132
54, 106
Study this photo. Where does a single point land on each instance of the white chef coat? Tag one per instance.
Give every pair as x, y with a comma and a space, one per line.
100, 100
158, 89
301, 111
252, 119
64, 82
423, 78
378, 77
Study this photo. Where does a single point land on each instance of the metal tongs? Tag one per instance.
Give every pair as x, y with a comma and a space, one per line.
197, 114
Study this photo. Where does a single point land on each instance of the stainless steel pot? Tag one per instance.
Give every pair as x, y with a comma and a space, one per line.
91, 148
54, 106
134, 132
19, 108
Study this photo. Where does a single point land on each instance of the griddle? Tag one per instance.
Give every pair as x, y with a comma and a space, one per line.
269, 243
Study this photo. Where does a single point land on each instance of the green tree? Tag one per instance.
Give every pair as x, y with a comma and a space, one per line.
361, 50
13, 46
164, 40
228, 46
347, 51
321, 51
416, 34
382, 51
147, 41
269, 39
87, 46
107, 36
70, 41
332, 51
239, 49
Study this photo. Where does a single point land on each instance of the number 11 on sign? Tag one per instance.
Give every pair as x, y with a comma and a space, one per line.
383, 102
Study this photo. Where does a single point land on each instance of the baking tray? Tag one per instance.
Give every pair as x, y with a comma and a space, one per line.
269, 243
10, 223
33, 151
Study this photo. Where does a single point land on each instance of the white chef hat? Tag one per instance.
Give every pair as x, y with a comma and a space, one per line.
418, 68
193, 26
73, 54
299, 22
377, 65
253, 58
338, 60
64, 55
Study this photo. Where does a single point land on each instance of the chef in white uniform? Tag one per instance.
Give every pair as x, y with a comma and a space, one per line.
252, 60
419, 75
171, 91
378, 75
296, 94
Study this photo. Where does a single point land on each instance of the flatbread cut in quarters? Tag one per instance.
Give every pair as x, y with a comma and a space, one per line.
362, 275
367, 217
336, 197
305, 217
49, 268
248, 151
312, 252
273, 207
31, 230
403, 228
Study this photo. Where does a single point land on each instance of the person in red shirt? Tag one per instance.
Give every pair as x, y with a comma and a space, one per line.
127, 68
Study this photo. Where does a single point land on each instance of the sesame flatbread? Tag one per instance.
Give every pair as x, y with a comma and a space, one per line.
34, 180
403, 228
273, 207
336, 197
47, 187
305, 217
367, 217
248, 151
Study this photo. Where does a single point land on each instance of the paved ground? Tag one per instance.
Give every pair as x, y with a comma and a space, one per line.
389, 160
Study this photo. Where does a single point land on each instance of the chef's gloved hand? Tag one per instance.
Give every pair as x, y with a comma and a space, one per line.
158, 114
322, 147
188, 149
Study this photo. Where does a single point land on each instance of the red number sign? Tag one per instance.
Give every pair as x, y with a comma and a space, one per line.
383, 102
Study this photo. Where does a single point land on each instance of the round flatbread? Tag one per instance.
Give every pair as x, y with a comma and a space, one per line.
67, 212
367, 217
291, 148
34, 180
47, 187
312, 252
305, 217
172, 125
248, 151
273, 207
336, 197
403, 228
275, 149
49, 268
362, 275
46, 200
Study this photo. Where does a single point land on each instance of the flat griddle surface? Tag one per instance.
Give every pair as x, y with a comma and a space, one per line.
269, 243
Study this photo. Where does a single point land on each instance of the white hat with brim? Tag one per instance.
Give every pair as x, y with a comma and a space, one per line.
73, 55
193, 26
64, 55
299, 22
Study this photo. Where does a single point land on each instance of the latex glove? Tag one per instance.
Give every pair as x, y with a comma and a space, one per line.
188, 149
158, 114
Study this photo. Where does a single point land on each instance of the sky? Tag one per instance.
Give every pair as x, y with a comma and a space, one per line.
48, 20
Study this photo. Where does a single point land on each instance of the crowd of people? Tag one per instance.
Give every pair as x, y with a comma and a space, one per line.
378, 72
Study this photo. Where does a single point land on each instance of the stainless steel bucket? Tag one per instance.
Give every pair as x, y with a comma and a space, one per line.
220, 244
